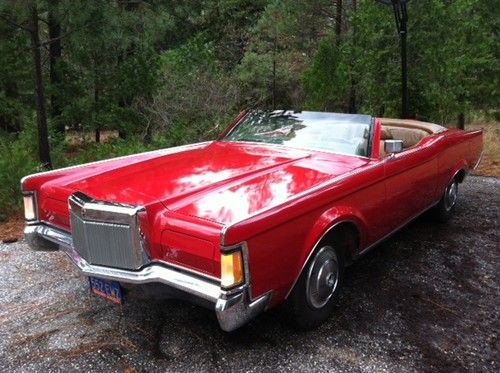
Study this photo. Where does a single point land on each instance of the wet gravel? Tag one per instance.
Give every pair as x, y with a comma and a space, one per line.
425, 300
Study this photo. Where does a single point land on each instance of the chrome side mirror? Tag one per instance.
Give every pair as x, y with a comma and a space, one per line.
393, 146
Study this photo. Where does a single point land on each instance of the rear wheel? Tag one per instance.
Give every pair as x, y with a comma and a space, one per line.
446, 206
313, 297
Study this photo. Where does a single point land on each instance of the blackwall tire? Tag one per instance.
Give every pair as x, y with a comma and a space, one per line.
313, 298
446, 206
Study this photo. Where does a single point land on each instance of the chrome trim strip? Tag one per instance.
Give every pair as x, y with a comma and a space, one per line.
44, 238
478, 160
165, 151
247, 283
101, 211
367, 249
187, 270
223, 235
364, 251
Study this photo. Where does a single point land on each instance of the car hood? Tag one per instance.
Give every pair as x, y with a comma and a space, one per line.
219, 181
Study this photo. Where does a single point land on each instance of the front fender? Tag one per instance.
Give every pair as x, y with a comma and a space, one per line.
324, 224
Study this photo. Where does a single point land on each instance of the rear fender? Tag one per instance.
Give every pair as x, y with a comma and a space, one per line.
461, 166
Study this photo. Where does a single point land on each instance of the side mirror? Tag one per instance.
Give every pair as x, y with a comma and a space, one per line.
393, 146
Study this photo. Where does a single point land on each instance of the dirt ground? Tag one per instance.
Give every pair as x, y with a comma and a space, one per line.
427, 299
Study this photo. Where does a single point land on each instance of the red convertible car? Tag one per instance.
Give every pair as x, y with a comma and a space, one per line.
270, 213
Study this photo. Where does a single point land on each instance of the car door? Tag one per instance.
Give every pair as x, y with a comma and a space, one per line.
410, 184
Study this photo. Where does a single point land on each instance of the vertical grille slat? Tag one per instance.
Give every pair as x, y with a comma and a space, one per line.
106, 243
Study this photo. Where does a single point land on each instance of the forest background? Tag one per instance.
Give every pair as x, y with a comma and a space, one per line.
82, 80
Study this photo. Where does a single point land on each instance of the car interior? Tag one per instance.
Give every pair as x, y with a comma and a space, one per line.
409, 131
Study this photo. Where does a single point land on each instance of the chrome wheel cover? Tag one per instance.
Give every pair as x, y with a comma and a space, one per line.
323, 277
450, 196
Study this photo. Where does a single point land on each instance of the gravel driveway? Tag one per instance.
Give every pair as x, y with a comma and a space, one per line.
425, 300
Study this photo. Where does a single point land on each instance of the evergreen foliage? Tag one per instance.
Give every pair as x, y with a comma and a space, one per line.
167, 72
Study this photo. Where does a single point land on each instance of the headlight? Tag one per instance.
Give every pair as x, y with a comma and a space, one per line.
231, 269
29, 206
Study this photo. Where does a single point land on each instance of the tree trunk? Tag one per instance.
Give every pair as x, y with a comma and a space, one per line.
96, 105
275, 49
97, 135
353, 105
338, 20
41, 111
461, 121
54, 56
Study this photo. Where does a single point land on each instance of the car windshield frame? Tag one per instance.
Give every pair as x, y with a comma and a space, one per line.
311, 119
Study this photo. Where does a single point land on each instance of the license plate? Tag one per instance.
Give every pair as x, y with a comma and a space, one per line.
109, 290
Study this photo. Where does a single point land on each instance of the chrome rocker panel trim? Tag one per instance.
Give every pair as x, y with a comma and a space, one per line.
233, 310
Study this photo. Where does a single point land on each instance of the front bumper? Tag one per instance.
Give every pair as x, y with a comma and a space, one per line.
233, 309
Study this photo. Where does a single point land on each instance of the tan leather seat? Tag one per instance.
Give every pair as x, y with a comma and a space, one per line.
385, 134
410, 131
410, 136
413, 124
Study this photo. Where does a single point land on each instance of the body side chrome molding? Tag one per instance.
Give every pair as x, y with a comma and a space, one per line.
398, 228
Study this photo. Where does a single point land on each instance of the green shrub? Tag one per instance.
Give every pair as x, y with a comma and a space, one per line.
16, 160
96, 152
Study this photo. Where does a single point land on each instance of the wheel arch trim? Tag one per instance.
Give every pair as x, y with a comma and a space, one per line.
335, 224
460, 168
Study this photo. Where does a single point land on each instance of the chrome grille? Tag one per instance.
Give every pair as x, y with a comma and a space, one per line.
106, 234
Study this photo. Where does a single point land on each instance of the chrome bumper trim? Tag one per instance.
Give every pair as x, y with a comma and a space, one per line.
233, 311
237, 310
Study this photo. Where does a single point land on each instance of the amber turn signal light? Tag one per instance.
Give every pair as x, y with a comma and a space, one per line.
231, 269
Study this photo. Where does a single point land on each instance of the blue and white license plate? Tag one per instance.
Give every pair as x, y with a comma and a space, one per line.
109, 290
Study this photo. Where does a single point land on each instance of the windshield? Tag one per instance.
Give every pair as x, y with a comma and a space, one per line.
337, 133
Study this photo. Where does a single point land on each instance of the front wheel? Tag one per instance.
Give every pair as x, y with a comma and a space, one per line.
313, 297
446, 206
